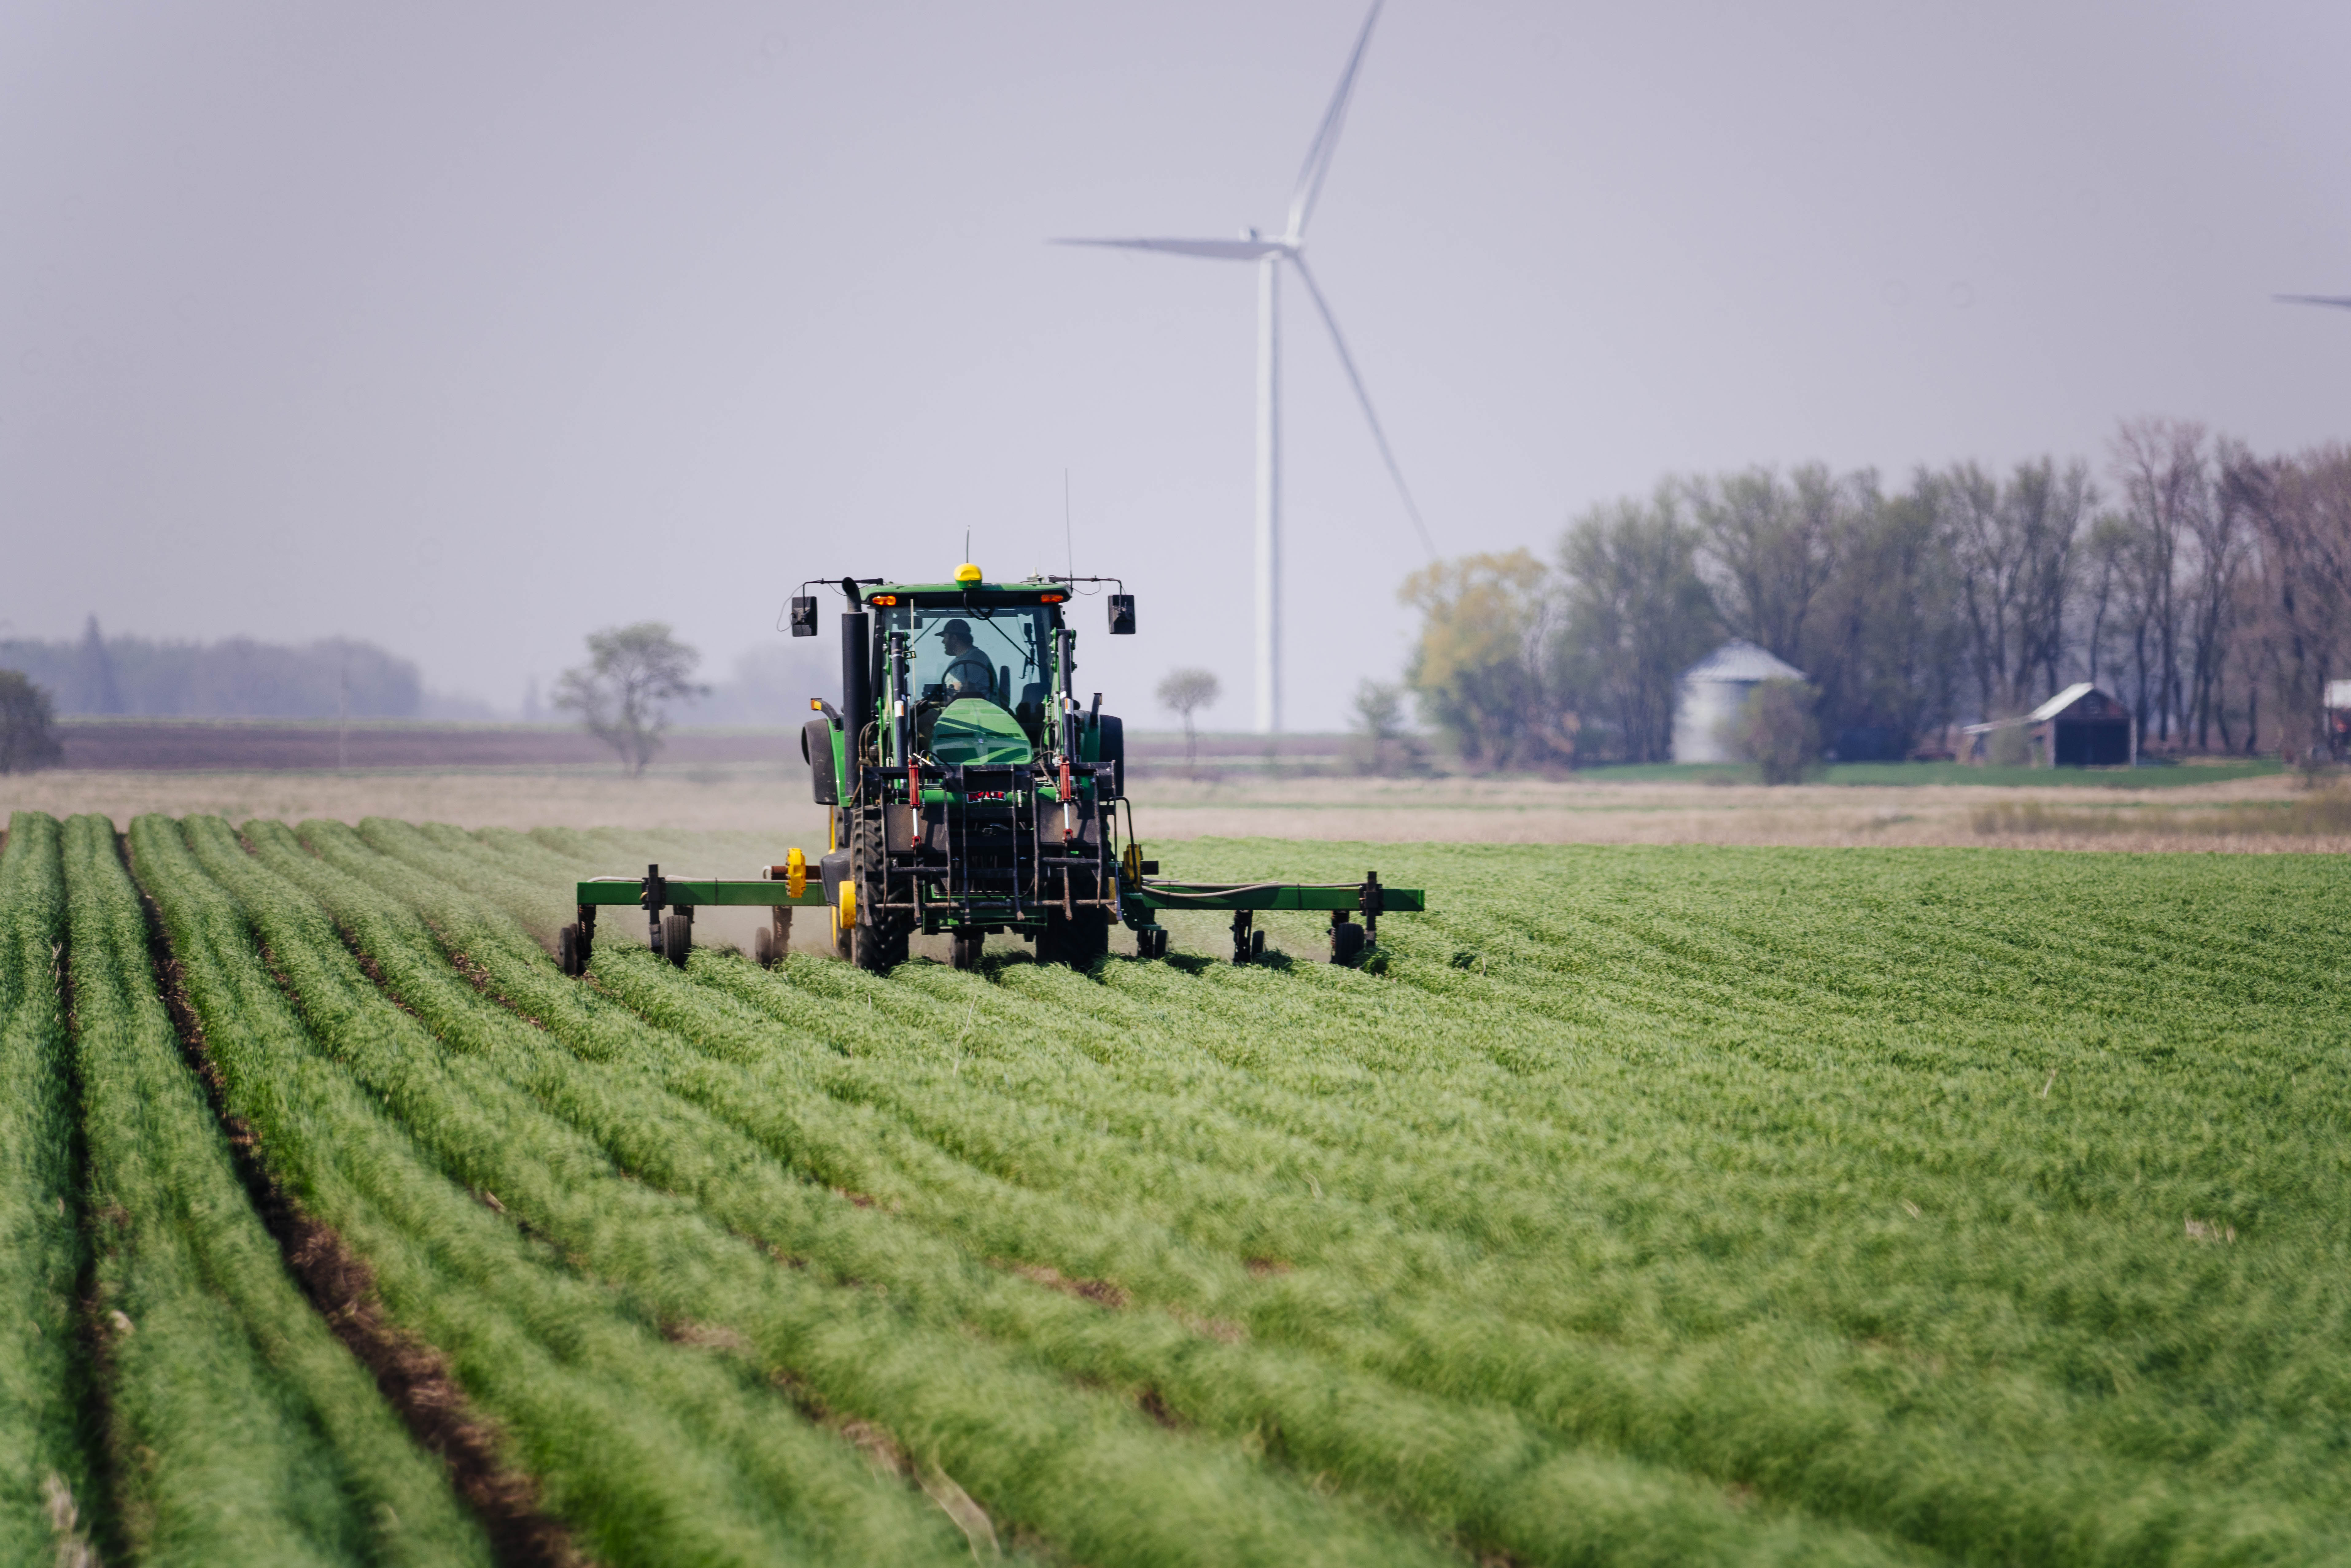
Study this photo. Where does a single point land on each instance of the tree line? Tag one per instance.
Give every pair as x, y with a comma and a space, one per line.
237, 677
2206, 586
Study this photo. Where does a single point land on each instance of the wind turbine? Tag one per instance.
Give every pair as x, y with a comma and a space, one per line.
1270, 256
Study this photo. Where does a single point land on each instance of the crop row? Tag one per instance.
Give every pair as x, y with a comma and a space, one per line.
1654, 1206
45, 1484
652, 1450
238, 1427
1751, 1213
747, 1116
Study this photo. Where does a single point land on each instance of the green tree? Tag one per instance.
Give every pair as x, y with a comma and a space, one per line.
1382, 745
1776, 730
1479, 670
623, 693
27, 726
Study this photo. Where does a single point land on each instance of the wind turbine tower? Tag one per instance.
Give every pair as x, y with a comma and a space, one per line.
1270, 256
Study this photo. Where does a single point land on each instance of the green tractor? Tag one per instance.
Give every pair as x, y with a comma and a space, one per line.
968, 794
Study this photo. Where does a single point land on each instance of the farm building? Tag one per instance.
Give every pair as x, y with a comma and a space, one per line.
1710, 693
2080, 726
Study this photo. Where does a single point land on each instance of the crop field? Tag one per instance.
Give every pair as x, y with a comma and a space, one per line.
1639, 1205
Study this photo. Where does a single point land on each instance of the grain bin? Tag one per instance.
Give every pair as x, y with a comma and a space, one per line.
1707, 697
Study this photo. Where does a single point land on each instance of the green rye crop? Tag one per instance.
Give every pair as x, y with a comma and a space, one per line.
1648, 1206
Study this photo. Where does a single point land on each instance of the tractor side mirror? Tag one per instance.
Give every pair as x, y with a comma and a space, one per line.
1122, 615
804, 616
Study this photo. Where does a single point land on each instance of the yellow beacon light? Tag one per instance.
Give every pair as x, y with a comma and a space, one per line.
967, 572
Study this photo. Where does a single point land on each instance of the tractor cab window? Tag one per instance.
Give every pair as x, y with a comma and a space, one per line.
1003, 654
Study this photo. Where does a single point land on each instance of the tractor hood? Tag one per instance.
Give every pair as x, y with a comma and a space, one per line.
974, 730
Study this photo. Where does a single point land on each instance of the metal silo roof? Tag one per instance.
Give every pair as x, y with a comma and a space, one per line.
1739, 660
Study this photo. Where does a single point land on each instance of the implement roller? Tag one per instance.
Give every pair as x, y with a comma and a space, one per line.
969, 792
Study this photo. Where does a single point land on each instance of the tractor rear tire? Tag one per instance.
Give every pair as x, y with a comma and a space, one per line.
763, 947
1346, 943
567, 952
677, 938
964, 949
876, 950
877, 942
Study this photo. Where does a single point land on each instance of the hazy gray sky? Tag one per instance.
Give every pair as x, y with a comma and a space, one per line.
466, 328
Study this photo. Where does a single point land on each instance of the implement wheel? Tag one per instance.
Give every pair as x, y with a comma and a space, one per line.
677, 938
568, 957
964, 949
1346, 942
763, 947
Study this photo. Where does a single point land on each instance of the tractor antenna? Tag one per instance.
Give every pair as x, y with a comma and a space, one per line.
967, 542
1069, 544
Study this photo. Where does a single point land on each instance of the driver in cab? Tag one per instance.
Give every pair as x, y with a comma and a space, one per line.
969, 673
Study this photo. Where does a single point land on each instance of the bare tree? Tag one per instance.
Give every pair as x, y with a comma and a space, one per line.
623, 693
1888, 639
1186, 692
2298, 513
2166, 489
1635, 614
2219, 527
1769, 548
2110, 544
2014, 545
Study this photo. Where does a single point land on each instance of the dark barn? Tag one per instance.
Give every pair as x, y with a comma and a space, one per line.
2090, 730
2080, 726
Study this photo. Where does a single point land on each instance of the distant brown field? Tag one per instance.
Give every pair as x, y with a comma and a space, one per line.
770, 799
264, 746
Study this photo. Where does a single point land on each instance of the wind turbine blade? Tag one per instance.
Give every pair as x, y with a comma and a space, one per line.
1326, 136
1215, 249
1379, 436
2342, 301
